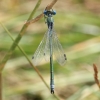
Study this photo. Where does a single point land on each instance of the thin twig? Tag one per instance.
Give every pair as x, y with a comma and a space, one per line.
39, 74
51, 5
34, 20
96, 75
0, 86
41, 15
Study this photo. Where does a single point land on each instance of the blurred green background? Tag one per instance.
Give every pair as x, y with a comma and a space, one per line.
77, 24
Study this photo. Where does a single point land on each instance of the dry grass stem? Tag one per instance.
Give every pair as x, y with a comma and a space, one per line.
96, 75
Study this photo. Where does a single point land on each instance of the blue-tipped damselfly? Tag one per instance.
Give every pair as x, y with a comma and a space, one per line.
50, 47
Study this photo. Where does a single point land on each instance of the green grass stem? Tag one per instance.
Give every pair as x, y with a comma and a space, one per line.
18, 38
0, 86
12, 48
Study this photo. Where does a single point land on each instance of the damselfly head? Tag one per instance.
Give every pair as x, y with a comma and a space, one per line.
51, 11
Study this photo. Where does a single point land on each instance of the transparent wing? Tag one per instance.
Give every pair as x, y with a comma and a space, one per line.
42, 50
58, 50
47, 48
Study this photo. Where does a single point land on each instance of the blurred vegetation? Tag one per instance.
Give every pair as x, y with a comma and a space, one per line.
77, 24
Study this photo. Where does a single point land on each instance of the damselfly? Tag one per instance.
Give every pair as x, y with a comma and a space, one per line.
50, 46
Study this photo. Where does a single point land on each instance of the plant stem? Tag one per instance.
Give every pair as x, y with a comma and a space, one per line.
12, 48
0, 86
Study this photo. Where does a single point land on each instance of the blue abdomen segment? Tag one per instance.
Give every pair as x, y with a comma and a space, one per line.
52, 89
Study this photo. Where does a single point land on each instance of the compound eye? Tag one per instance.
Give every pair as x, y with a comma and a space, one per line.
54, 12
45, 12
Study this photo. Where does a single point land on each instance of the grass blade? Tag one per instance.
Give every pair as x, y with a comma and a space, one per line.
0, 86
